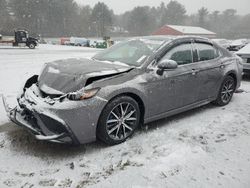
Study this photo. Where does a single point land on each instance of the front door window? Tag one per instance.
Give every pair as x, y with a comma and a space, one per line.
182, 54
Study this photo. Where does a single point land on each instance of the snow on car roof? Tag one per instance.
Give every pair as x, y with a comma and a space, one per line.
244, 50
239, 42
191, 30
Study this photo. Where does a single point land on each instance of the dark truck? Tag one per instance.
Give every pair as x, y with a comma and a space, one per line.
21, 37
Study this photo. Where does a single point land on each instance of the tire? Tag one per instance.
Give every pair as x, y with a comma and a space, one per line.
31, 45
226, 91
113, 127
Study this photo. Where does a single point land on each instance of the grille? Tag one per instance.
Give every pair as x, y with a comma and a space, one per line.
29, 117
52, 125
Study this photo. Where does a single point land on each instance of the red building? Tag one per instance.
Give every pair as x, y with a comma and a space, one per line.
184, 30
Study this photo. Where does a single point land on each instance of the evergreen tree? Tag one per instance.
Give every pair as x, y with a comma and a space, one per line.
101, 18
175, 13
140, 22
4, 16
202, 14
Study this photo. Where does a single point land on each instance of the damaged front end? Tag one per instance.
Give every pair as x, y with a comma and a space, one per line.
62, 104
33, 112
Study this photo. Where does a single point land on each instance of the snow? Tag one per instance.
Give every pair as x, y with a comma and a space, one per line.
244, 50
239, 42
53, 70
205, 147
189, 30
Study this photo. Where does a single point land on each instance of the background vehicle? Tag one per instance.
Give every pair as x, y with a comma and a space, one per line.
223, 42
238, 44
105, 43
77, 41
64, 41
98, 44
244, 53
136, 81
21, 37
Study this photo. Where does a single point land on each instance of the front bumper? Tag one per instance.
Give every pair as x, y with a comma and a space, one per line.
34, 122
71, 122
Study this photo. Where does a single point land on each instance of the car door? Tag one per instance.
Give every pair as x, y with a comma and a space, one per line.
174, 88
209, 66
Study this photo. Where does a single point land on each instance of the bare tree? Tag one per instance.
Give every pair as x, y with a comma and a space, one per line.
57, 18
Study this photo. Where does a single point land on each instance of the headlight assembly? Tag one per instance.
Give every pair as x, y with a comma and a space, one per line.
83, 94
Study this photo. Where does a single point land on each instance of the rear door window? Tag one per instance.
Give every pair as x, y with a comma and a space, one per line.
206, 52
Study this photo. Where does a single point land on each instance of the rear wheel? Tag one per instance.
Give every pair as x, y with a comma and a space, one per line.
119, 120
226, 91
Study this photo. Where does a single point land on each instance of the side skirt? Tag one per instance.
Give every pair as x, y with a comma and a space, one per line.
178, 110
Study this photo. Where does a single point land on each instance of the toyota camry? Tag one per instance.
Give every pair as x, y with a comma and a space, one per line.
132, 83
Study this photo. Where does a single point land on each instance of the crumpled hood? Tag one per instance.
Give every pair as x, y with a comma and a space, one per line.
70, 75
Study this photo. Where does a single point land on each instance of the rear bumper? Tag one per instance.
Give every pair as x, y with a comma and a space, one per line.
35, 123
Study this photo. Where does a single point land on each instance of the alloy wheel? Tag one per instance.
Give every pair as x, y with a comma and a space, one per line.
121, 121
227, 91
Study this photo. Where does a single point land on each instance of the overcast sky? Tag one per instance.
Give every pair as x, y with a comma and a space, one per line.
120, 6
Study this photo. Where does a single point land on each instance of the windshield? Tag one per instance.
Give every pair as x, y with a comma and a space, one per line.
133, 52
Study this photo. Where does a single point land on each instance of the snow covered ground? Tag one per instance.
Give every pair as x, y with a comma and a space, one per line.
205, 147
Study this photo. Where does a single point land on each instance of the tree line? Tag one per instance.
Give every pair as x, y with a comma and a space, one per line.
57, 18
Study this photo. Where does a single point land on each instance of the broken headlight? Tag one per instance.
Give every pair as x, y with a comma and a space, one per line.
83, 94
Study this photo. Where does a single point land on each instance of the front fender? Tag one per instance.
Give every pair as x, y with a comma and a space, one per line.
110, 92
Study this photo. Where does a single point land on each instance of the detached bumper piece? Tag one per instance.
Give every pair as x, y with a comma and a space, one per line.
43, 126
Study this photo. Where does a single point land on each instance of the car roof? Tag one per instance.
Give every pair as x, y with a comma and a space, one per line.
172, 37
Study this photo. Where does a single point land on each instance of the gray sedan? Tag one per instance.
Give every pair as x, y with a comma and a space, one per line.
244, 53
134, 82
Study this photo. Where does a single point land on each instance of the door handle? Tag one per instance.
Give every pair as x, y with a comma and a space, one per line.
222, 66
172, 82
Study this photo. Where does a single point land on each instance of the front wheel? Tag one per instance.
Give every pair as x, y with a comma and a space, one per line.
226, 92
31, 45
119, 120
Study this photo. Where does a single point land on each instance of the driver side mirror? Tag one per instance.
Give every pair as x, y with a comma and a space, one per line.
167, 64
